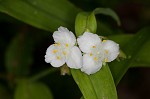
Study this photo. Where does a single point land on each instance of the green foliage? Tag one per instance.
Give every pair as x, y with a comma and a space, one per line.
109, 12
4, 92
85, 22
118, 69
142, 59
49, 15
19, 55
32, 90
96, 86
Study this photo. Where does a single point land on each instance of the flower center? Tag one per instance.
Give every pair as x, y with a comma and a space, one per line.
65, 50
98, 53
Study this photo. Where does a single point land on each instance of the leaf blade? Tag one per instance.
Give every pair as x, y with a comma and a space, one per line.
142, 59
100, 84
18, 57
118, 69
37, 13
109, 12
32, 90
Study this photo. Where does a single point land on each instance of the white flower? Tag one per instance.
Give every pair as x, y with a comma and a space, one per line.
96, 52
64, 50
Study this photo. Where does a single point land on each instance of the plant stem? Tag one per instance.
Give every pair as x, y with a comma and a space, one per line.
43, 73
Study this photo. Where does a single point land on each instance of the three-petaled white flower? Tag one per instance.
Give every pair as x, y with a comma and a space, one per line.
96, 52
64, 50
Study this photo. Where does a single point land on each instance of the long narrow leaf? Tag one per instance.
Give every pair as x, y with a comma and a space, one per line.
19, 55
47, 14
96, 86
131, 49
32, 90
142, 58
109, 12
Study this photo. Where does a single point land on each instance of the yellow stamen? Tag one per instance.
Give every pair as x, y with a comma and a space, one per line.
57, 44
104, 40
106, 59
67, 45
106, 51
95, 58
54, 51
58, 57
94, 46
64, 53
91, 54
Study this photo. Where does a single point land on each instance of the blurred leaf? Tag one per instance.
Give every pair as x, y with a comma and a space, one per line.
143, 56
103, 29
83, 23
32, 90
107, 3
47, 14
109, 12
96, 86
19, 55
131, 49
4, 93
142, 59
122, 39
82, 97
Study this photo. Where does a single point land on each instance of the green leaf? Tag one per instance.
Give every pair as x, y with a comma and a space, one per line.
142, 58
4, 93
18, 57
96, 86
131, 49
85, 22
122, 39
82, 97
32, 90
47, 14
109, 12
103, 29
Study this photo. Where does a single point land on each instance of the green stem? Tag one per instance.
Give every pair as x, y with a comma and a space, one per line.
42, 74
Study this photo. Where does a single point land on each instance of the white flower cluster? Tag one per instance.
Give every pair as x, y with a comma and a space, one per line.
95, 51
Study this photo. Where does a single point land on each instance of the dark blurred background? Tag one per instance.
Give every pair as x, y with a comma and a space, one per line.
134, 15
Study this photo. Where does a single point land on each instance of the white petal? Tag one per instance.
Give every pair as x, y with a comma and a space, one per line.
75, 58
49, 55
87, 41
57, 63
51, 58
89, 65
63, 35
112, 48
